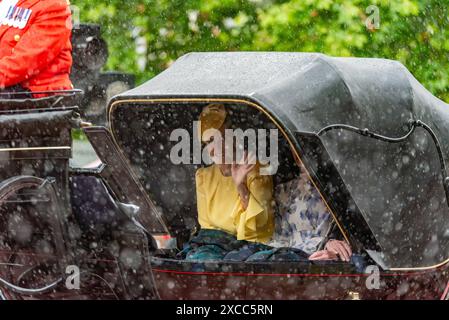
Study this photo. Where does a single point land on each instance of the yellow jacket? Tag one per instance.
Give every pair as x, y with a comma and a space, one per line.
219, 205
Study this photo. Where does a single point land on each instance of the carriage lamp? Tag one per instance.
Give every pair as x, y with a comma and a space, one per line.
90, 53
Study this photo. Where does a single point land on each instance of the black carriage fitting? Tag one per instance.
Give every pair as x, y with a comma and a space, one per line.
412, 124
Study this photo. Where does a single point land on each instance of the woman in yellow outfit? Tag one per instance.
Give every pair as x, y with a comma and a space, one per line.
233, 199
242, 209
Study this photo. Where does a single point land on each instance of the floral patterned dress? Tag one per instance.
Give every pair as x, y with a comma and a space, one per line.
302, 219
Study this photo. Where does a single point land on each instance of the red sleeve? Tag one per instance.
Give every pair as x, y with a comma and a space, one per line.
39, 45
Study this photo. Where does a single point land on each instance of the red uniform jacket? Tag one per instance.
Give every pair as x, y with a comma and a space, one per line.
38, 56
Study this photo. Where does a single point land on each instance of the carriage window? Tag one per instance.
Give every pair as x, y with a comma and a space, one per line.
83, 155
167, 168
166, 153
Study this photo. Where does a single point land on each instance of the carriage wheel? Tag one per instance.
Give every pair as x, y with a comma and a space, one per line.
31, 243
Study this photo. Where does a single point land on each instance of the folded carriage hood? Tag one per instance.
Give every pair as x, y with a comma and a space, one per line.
306, 92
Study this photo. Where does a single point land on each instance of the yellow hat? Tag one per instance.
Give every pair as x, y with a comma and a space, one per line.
213, 116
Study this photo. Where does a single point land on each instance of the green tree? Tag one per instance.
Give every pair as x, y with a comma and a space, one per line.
413, 32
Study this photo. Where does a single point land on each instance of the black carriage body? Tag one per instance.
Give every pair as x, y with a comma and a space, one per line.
35, 206
38, 143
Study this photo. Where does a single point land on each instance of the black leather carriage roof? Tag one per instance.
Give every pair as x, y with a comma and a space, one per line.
307, 91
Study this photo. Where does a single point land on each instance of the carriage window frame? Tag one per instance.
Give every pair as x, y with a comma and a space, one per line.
287, 134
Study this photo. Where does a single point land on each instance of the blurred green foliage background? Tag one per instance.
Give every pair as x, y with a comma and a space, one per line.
411, 31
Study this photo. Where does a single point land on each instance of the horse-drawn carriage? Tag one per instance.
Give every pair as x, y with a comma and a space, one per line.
372, 140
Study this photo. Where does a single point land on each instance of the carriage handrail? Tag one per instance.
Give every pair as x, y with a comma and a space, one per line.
413, 124
52, 98
61, 92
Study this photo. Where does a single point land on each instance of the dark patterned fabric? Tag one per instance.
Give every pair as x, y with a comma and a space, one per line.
216, 245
